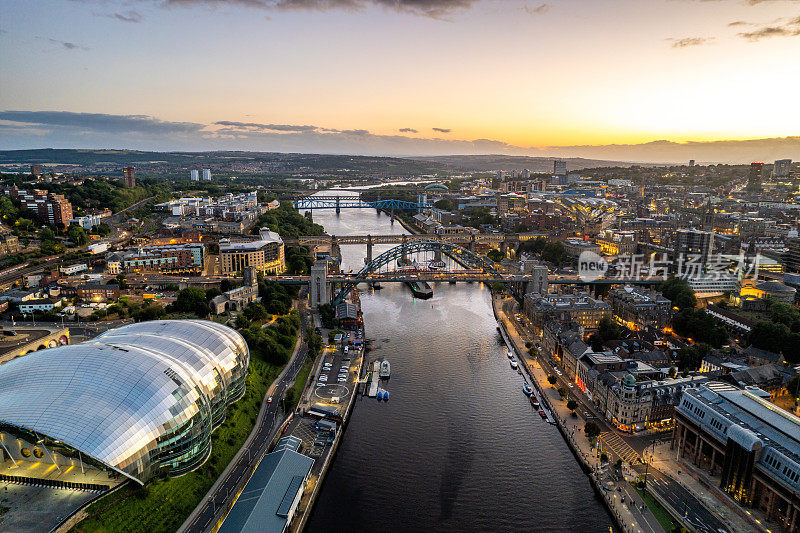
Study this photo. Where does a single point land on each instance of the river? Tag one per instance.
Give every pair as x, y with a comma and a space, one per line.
458, 447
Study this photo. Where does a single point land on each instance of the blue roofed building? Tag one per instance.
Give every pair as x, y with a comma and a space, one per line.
269, 500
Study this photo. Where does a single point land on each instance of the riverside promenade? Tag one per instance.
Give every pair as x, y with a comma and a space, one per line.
629, 510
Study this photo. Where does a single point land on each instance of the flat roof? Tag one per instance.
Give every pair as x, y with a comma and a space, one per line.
265, 503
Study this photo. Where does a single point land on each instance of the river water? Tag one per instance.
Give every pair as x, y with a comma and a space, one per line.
458, 447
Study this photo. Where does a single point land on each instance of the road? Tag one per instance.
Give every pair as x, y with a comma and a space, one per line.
682, 501
235, 476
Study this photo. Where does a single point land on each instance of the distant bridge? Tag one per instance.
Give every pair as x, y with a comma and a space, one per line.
355, 202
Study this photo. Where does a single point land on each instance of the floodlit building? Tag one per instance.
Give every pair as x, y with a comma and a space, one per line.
266, 254
750, 444
194, 175
141, 400
206, 174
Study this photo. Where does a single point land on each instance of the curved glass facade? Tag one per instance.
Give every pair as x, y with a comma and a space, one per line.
227, 345
142, 399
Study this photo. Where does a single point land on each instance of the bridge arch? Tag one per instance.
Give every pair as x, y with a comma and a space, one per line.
462, 255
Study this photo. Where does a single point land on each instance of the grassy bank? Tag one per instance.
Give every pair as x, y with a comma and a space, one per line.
163, 505
662, 515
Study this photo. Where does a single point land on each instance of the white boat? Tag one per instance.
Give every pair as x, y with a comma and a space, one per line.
509, 354
514, 364
385, 369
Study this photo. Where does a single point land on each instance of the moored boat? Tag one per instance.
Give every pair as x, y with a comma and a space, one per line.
527, 389
385, 369
514, 364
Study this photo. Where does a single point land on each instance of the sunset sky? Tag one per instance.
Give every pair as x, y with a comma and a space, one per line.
404, 77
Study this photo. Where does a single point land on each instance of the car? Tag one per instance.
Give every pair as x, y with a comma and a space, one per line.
570, 385
323, 378
342, 380
269, 400
346, 359
558, 371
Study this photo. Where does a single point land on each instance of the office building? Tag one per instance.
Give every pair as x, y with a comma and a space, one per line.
754, 177
638, 307
36, 170
578, 308
781, 168
750, 447
206, 174
559, 168
266, 254
166, 259
194, 175
129, 177
157, 390
693, 244
51, 208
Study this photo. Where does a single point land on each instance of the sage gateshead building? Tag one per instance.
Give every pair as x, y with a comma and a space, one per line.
138, 401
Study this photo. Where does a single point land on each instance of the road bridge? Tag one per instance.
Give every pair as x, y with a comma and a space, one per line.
471, 240
355, 202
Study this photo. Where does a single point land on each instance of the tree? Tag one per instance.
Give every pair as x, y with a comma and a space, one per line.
563, 392
553, 252
46, 234
445, 204
532, 246
572, 405
596, 342
551, 379
121, 281
191, 300
679, 292
592, 430
608, 329
672, 372
314, 342
77, 235
495, 255
328, 315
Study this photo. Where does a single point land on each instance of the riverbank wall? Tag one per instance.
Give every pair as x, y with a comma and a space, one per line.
602, 494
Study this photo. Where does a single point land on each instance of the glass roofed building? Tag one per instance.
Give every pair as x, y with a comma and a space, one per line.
140, 400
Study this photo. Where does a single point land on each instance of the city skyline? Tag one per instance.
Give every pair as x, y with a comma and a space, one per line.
660, 81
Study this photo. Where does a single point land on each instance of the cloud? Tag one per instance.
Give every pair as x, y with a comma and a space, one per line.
788, 29
739, 23
407, 130
270, 127
442, 130
67, 45
539, 10
128, 16
689, 41
100, 122
427, 8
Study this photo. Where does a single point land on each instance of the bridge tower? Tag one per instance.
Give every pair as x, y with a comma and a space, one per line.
336, 251
368, 259
472, 242
404, 259
437, 254
422, 199
319, 292
504, 248
338, 208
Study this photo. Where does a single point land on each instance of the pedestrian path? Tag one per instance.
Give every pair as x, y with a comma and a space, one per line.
620, 448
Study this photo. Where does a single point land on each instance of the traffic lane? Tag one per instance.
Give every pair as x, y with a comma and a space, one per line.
258, 445
684, 502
